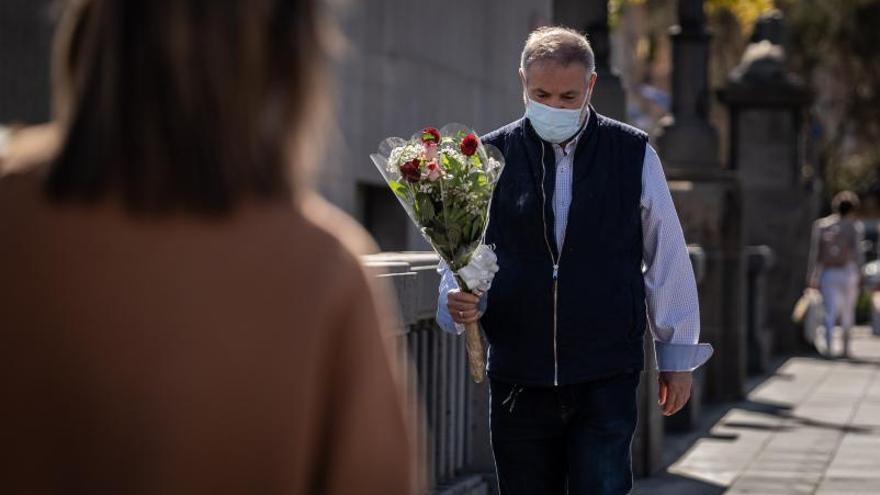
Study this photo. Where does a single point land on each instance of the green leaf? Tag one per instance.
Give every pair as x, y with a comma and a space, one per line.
425, 207
454, 235
454, 214
452, 165
399, 189
467, 230
477, 228
440, 240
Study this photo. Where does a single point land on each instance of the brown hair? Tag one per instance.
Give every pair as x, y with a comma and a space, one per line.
559, 44
183, 104
845, 202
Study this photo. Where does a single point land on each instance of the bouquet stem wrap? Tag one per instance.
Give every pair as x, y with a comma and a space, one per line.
445, 180
475, 351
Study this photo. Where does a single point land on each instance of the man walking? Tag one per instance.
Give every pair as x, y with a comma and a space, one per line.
581, 206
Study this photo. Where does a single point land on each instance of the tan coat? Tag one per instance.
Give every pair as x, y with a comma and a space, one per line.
192, 355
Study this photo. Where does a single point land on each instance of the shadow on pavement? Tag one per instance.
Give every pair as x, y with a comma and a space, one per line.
672, 484
861, 361
778, 416
730, 437
784, 411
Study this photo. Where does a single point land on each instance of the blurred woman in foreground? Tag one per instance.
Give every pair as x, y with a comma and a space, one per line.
176, 315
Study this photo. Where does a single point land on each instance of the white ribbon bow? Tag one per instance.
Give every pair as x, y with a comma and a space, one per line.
478, 274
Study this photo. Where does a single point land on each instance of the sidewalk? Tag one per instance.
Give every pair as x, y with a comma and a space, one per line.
811, 428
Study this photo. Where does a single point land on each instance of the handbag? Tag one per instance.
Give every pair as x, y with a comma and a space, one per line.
809, 297
809, 312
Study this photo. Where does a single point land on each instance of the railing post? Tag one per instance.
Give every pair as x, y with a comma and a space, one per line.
759, 337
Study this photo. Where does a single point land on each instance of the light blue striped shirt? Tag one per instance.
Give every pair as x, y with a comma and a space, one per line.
670, 287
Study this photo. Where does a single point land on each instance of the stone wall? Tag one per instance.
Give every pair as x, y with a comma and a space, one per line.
405, 65
409, 65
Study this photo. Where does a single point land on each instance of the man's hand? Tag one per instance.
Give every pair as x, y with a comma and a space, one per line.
675, 390
463, 306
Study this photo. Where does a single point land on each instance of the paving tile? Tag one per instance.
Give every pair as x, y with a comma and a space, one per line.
812, 428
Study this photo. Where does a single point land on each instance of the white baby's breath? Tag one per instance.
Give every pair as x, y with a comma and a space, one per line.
403, 154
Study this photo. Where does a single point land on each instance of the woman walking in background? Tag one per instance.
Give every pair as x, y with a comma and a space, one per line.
176, 315
836, 259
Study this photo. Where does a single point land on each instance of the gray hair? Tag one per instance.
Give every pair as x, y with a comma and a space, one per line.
559, 44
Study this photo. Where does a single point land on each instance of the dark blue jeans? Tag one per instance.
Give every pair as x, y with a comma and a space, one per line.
572, 439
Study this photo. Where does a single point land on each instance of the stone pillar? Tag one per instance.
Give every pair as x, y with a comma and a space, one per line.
648, 442
759, 334
690, 141
709, 204
592, 18
768, 114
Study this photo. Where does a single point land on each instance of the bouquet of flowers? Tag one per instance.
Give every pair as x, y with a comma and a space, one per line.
444, 180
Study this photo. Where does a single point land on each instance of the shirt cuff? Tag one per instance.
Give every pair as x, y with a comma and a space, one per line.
444, 319
681, 357
447, 283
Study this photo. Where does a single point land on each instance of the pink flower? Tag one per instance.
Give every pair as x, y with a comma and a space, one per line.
434, 171
430, 151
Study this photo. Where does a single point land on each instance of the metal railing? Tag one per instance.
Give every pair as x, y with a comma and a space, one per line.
451, 409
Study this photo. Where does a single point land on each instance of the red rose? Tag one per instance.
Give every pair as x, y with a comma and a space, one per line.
469, 144
410, 170
430, 135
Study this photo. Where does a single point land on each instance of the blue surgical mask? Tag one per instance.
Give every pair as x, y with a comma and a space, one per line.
555, 125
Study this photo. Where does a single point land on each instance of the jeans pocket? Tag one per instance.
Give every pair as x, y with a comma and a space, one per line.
504, 397
498, 391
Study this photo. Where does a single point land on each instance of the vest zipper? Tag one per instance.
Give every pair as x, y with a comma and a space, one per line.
555, 261
555, 304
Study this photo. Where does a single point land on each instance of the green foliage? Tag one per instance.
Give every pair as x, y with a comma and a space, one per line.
452, 211
401, 190
836, 44
858, 172
863, 308
424, 207
615, 8
745, 11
